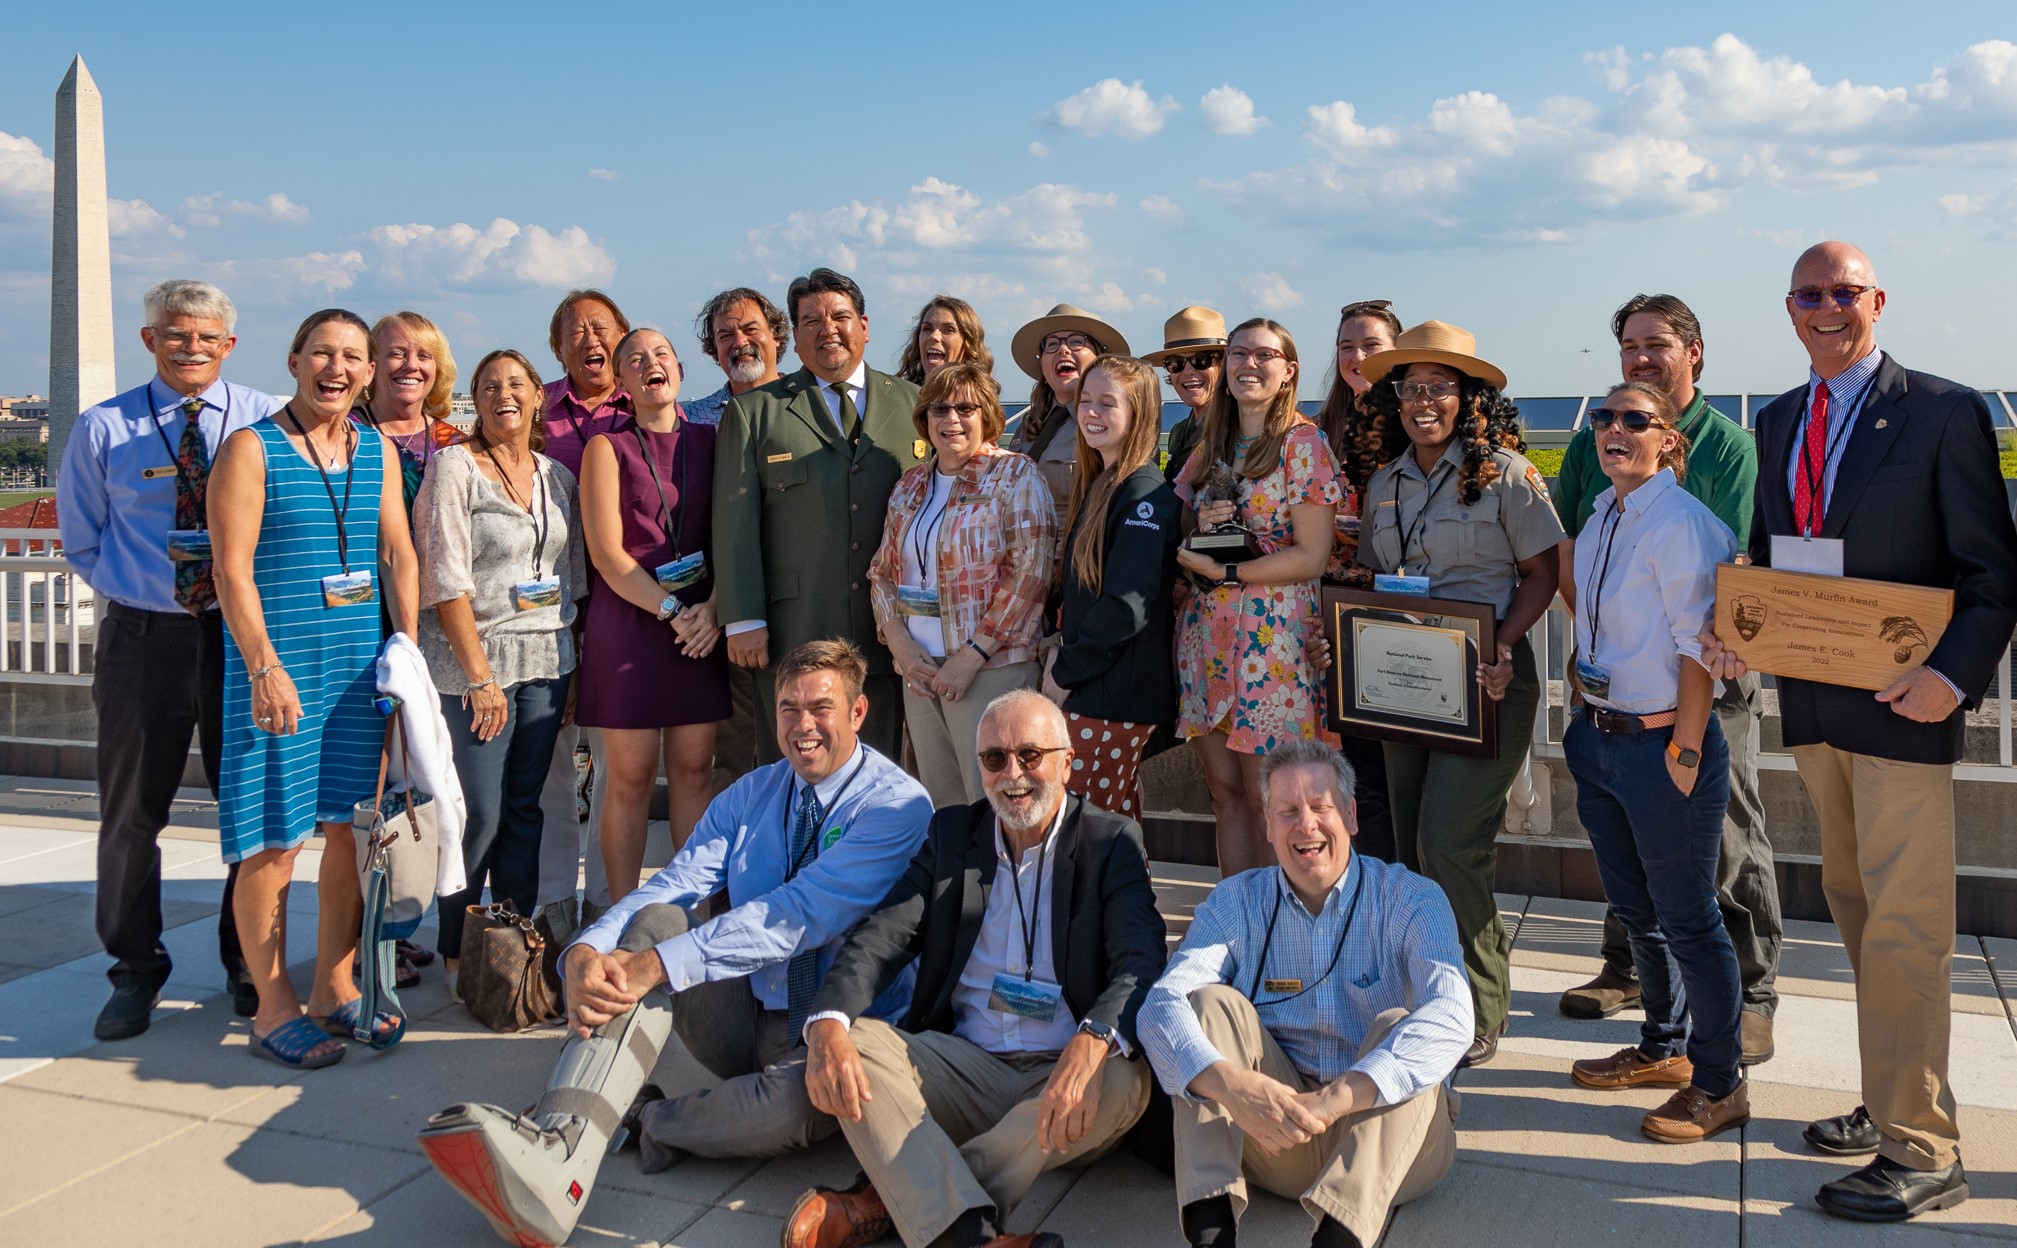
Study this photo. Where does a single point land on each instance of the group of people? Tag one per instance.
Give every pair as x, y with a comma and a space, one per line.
802, 585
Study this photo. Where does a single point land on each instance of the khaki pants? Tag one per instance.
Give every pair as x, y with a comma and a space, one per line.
943, 733
1887, 867
1356, 1172
953, 1127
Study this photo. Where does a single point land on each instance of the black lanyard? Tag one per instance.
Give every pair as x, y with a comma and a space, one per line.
175, 457
1617, 519
1031, 922
1816, 478
538, 513
349, 477
811, 845
1267, 941
1433, 485
925, 545
673, 527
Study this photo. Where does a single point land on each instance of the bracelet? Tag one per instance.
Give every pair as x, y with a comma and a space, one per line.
975, 647
261, 673
488, 680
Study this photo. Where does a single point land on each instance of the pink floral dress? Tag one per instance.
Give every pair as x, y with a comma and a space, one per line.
1240, 663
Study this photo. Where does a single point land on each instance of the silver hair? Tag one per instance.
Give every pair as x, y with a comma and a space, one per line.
1017, 698
182, 297
1300, 753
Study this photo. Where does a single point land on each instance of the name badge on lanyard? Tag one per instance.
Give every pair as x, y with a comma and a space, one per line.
917, 600
187, 545
1034, 1000
681, 573
1401, 583
535, 594
348, 589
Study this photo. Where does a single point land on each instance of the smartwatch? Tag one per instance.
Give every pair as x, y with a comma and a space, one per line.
1100, 1031
1690, 759
668, 607
1232, 576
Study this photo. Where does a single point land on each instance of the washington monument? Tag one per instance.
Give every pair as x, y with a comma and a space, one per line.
80, 267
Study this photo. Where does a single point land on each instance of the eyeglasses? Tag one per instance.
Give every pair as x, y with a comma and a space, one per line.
1065, 342
1200, 360
1364, 307
1028, 756
1636, 421
1420, 391
965, 411
1809, 297
1241, 357
179, 339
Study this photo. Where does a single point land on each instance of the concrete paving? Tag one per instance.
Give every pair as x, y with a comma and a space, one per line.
178, 1137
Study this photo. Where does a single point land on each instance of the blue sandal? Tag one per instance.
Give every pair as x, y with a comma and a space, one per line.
291, 1043
386, 1029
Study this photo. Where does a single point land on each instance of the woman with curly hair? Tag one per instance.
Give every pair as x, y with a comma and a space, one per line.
948, 331
1459, 506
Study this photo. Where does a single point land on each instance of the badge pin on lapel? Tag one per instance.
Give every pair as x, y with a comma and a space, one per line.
1882, 422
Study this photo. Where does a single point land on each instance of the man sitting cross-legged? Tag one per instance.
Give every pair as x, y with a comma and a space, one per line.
1307, 1024
804, 847
1035, 930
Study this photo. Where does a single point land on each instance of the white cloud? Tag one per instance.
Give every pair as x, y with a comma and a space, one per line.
1229, 110
502, 254
1039, 150
26, 175
1335, 128
604, 175
211, 210
291, 279
134, 218
1270, 292
935, 216
1156, 275
1111, 106
1162, 206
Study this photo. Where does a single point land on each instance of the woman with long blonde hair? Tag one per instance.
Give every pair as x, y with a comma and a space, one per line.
408, 401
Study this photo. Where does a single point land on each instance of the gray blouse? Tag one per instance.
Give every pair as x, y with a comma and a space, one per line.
473, 541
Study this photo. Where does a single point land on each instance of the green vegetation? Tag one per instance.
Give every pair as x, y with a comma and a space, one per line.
2009, 462
22, 496
24, 453
1549, 462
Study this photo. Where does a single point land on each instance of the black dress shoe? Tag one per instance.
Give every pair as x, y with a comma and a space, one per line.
1484, 1048
128, 1012
1885, 1191
1844, 1135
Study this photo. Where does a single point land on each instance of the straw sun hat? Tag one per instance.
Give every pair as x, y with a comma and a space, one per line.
1433, 342
1027, 346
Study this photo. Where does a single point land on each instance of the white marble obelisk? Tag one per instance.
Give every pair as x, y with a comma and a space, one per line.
80, 266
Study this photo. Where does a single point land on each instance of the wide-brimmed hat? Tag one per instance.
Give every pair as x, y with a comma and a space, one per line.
1027, 346
1190, 329
1433, 342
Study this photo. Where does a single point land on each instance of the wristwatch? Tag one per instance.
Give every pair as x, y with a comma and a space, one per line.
668, 607
1690, 759
1100, 1031
1232, 576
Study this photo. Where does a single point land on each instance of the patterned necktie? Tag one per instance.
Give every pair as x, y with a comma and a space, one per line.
194, 588
801, 977
850, 419
1808, 495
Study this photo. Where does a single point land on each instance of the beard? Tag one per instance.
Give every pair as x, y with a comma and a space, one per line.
1043, 803
745, 364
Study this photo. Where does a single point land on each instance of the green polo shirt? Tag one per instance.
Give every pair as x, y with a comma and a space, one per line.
1722, 471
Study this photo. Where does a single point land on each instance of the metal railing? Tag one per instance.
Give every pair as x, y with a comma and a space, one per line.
48, 615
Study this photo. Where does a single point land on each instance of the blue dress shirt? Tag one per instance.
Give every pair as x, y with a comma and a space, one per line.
872, 825
114, 517
1846, 395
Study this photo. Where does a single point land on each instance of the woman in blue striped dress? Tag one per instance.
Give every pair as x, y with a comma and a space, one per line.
310, 529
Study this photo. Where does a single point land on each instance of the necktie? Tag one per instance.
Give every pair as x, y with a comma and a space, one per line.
801, 976
850, 419
1809, 483
194, 588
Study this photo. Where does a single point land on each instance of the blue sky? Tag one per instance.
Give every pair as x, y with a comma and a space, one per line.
1518, 170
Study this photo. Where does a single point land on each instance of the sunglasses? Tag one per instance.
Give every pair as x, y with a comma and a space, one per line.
1809, 297
1028, 756
1364, 307
965, 411
1200, 360
1637, 422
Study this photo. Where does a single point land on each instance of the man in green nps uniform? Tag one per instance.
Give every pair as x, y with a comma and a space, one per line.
803, 471
1660, 342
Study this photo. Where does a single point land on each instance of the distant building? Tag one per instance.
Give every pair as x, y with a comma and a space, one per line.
462, 412
13, 430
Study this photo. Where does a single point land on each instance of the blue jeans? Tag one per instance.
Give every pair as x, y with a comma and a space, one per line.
1657, 851
501, 783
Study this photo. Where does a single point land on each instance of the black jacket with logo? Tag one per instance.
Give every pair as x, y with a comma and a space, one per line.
1118, 660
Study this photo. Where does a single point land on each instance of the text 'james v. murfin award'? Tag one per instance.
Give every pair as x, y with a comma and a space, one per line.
80, 263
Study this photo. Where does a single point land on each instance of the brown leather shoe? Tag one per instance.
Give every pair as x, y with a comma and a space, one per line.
1629, 1068
1692, 1115
1602, 997
1754, 1038
825, 1218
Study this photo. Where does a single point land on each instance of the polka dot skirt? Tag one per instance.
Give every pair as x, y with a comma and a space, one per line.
1106, 763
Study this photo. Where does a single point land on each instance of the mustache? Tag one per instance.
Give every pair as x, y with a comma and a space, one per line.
746, 351
182, 358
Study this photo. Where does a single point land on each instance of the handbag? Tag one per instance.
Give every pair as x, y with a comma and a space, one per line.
398, 864
509, 975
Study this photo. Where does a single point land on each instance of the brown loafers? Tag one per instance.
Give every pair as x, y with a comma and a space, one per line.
825, 1218
1692, 1115
1629, 1068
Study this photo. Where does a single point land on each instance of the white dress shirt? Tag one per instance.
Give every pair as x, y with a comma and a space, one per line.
1018, 908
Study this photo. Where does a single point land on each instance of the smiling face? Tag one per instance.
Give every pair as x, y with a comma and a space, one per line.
1310, 832
506, 398
588, 334
1835, 336
406, 368
1024, 800
648, 369
1431, 422
817, 723
1105, 413
938, 338
1650, 351
331, 369
830, 335
743, 344
189, 351
1064, 356
1256, 369
958, 427
1194, 385
1359, 337
1627, 458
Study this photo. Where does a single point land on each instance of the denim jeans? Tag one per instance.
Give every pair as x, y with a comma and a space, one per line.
501, 782
1657, 852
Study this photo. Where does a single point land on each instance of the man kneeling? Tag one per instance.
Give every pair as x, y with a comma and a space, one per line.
1308, 1023
1036, 933
804, 847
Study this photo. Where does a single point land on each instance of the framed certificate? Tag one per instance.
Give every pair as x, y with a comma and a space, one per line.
1404, 668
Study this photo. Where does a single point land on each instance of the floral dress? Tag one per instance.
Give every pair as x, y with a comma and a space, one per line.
1240, 662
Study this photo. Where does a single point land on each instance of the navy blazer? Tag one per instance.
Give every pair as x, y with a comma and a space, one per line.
1107, 938
1918, 500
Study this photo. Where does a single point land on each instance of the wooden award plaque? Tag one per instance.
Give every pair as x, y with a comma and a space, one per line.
1837, 630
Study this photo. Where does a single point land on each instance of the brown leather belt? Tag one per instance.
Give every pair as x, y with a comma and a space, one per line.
1619, 721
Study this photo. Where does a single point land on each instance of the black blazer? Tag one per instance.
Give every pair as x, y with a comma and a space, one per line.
1117, 658
1918, 500
1107, 937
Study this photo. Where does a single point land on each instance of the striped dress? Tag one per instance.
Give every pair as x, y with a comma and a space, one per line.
274, 789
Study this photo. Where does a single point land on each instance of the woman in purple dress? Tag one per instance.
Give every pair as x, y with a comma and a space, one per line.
654, 675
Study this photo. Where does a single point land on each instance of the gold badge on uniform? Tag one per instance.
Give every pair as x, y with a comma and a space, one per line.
1281, 985
777, 459
917, 449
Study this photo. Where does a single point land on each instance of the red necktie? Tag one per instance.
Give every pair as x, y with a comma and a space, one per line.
1809, 483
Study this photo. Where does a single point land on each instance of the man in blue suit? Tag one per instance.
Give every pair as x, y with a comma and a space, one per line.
804, 847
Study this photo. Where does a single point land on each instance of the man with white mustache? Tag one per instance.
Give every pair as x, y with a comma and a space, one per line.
130, 503
1308, 1026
